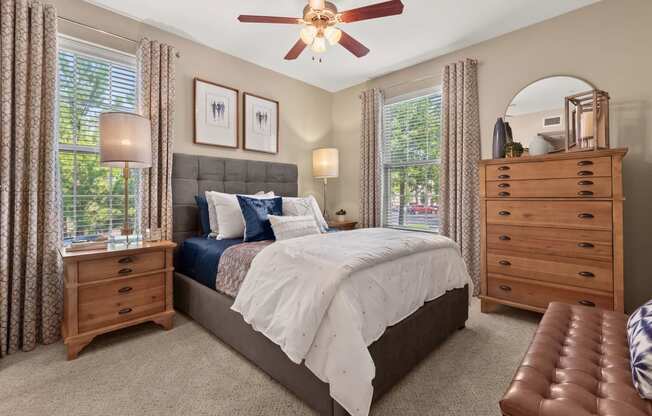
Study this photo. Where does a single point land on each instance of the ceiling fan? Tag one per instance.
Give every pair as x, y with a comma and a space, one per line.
320, 20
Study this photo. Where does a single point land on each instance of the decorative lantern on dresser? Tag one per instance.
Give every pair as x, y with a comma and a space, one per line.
552, 230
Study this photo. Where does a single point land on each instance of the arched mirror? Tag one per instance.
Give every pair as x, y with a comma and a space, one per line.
537, 112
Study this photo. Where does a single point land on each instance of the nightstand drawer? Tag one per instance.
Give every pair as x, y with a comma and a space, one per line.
117, 266
115, 302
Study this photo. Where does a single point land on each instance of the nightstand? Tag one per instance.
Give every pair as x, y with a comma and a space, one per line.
342, 225
107, 290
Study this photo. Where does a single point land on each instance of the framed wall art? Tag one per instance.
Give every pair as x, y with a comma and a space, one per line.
216, 114
261, 119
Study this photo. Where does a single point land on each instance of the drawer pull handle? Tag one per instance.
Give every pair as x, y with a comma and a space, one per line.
585, 183
504, 263
585, 215
503, 168
587, 303
585, 173
586, 274
126, 260
503, 185
124, 311
585, 245
584, 163
125, 271
504, 213
505, 288
125, 289
504, 238
585, 193
503, 176
504, 193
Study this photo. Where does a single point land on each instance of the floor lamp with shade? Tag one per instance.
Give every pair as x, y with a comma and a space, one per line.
325, 165
125, 142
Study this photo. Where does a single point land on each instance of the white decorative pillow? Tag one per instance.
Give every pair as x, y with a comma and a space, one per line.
292, 227
639, 334
305, 206
228, 214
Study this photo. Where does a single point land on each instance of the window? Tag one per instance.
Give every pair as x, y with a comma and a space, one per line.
91, 80
411, 136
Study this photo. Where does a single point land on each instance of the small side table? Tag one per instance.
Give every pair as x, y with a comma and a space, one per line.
106, 290
342, 225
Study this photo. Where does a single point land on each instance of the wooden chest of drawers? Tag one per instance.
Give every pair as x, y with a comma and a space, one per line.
552, 230
106, 290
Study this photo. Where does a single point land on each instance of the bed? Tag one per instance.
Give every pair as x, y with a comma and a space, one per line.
401, 346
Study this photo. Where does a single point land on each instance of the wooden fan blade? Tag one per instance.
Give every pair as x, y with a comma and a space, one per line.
246, 18
388, 8
296, 50
353, 46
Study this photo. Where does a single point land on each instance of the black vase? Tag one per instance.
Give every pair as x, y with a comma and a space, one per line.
508, 132
500, 139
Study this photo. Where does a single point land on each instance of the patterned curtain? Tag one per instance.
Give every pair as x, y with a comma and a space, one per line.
31, 285
370, 158
156, 65
460, 152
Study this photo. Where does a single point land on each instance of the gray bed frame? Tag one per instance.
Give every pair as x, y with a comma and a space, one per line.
400, 348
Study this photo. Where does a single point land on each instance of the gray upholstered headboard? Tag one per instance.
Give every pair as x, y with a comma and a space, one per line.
193, 175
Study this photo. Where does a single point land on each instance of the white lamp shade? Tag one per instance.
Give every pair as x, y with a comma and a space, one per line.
125, 138
326, 163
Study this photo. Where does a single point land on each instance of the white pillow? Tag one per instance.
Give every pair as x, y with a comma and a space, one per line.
291, 227
230, 223
305, 206
212, 213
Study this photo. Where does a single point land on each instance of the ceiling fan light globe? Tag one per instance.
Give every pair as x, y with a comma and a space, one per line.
317, 4
333, 35
318, 45
308, 34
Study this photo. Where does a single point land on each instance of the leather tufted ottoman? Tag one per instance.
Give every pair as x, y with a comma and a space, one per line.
577, 365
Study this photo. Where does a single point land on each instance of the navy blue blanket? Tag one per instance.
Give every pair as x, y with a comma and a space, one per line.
198, 258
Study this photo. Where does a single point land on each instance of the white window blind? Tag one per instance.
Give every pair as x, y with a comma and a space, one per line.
411, 145
91, 80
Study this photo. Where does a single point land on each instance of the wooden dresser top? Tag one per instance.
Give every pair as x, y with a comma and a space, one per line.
556, 156
117, 250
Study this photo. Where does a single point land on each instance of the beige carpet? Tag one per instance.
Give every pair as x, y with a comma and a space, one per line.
187, 371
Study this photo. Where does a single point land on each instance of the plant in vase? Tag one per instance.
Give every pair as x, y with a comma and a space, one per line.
513, 149
340, 215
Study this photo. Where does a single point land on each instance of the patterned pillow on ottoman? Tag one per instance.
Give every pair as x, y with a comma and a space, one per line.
639, 333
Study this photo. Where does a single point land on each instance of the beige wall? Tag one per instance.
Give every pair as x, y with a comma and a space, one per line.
304, 110
607, 44
525, 127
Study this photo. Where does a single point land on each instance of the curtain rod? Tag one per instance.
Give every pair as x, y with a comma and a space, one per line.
412, 81
75, 22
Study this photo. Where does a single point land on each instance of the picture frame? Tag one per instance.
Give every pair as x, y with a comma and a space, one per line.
216, 118
261, 124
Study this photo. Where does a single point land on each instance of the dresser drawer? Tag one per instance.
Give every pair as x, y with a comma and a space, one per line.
539, 295
590, 215
586, 244
553, 169
551, 188
108, 267
584, 273
114, 302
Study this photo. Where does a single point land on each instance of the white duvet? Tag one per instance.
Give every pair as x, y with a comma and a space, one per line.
325, 298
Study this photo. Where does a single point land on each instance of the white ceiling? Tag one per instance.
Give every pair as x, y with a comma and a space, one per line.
426, 29
546, 94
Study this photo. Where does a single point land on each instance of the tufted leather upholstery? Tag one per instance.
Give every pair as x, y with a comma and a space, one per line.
577, 365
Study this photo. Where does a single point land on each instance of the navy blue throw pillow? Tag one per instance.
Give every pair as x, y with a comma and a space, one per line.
204, 222
255, 212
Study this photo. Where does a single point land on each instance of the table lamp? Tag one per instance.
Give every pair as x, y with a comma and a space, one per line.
125, 142
325, 165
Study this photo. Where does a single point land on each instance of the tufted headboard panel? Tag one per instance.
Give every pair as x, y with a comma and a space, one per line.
193, 175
